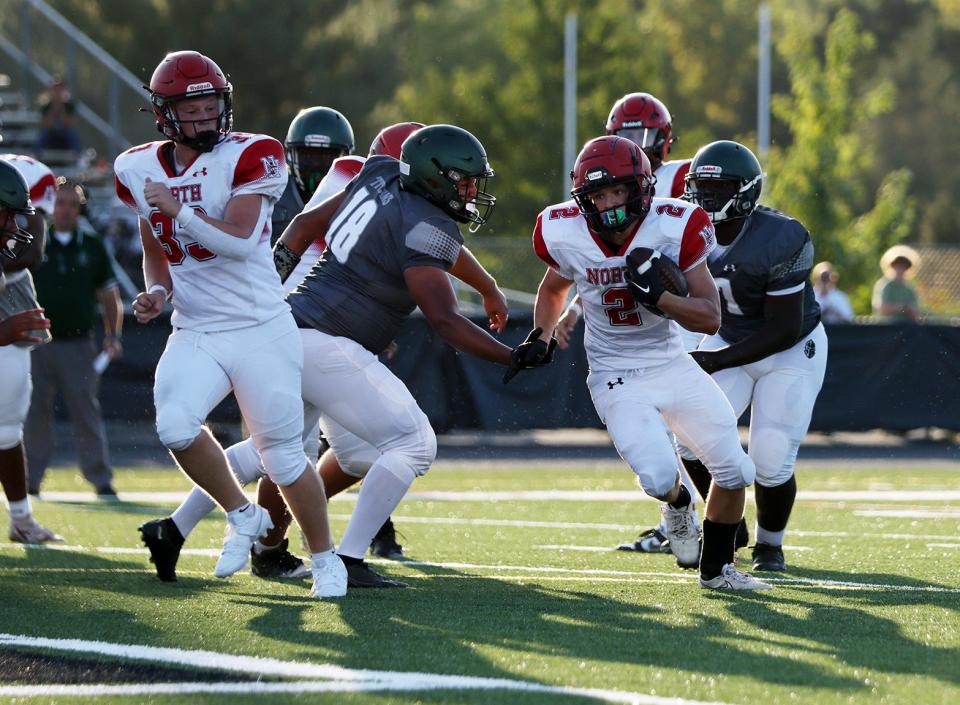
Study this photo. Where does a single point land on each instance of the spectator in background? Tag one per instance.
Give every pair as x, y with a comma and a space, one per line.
57, 119
76, 274
894, 297
834, 304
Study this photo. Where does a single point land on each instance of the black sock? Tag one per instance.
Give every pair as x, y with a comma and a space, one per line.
717, 547
774, 504
699, 475
683, 498
349, 560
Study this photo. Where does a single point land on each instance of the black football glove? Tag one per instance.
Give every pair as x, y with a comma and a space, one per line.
644, 278
707, 360
532, 352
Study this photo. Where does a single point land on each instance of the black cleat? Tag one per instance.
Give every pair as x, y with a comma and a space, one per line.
743, 536
649, 541
163, 539
277, 563
384, 544
359, 575
767, 557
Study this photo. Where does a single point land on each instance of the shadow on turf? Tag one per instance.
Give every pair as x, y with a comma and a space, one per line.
450, 622
855, 636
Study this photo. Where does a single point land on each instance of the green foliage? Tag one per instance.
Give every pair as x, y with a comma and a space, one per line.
863, 89
820, 178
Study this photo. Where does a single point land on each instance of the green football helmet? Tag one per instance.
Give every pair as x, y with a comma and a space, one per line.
725, 179
14, 207
315, 138
433, 162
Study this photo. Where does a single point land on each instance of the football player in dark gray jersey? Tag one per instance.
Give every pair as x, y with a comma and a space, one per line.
771, 350
22, 325
392, 236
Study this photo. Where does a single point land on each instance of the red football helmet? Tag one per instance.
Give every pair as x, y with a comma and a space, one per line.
390, 139
189, 74
607, 161
643, 119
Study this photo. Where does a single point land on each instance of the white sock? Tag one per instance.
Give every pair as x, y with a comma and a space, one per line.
194, 508
19, 509
241, 515
382, 490
771, 538
321, 556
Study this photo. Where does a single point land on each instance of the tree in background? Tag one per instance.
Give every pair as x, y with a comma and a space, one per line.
821, 178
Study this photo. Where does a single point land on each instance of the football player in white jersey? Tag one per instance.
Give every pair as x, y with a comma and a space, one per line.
643, 119
204, 198
642, 381
22, 325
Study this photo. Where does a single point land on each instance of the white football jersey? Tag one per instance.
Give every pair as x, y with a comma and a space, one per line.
39, 178
341, 173
670, 178
620, 334
211, 292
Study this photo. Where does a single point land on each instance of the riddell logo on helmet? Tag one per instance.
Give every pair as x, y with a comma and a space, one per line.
317, 140
594, 175
709, 169
198, 87
632, 123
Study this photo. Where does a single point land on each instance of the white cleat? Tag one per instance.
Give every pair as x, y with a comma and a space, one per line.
239, 539
732, 579
683, 534
329, 577
27, 530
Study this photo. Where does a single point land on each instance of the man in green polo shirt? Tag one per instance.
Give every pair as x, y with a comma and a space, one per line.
76, 274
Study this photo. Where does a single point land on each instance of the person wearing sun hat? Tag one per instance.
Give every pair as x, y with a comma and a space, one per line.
894, 297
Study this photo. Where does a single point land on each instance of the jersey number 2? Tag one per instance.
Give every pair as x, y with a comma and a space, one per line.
166, 229
621, 307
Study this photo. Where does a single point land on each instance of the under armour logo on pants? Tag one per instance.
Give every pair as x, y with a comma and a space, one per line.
614, 384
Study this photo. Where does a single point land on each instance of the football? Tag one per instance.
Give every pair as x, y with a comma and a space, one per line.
642, 259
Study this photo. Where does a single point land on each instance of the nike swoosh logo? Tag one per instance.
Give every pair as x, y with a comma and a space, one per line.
644, 289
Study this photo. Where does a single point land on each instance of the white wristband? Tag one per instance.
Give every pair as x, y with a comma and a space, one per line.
185, 216
161, 288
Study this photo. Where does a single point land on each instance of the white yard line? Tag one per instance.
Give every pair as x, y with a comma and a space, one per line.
878, 495
925, 513
608, 549
536, 571
331, 678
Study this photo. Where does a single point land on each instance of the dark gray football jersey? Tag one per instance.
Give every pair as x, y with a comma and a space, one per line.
20, 295
285, 210
357, 290
773, 253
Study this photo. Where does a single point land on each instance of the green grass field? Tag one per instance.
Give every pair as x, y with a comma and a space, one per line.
521, 588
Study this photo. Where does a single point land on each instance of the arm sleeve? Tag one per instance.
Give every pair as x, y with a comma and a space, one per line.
432, 242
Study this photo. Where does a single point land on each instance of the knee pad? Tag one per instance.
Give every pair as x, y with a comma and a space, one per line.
656, 482
737, 475
357, 465
245, 462
284, 463
417, 451
176, 427
11, 435
774, 455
